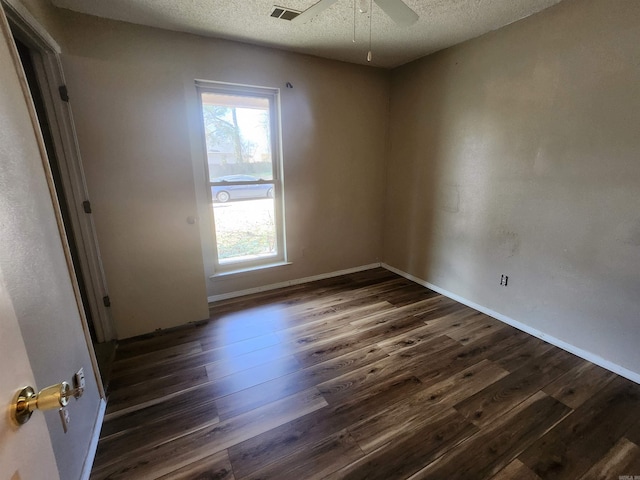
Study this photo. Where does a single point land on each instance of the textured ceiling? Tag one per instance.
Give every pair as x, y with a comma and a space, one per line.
442, 23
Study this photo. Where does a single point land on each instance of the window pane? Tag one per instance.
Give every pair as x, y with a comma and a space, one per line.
245, 230
243, 175
238, 136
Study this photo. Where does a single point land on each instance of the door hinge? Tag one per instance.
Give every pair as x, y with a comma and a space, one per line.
86, 205
64, 94
107, 301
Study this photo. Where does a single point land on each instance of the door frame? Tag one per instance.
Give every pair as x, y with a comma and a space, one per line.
47, 61
48, 66
25, 372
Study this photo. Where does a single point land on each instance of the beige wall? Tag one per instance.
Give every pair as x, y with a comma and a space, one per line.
518, 153
134, 102
513, 153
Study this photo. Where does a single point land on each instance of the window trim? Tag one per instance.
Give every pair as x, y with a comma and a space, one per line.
273, 96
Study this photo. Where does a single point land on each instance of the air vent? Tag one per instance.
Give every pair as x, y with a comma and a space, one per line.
284, 13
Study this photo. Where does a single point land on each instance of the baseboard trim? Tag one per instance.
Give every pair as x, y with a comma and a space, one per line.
93, 445
586, 355
288, 283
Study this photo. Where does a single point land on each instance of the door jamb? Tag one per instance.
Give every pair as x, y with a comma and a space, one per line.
48, 67
63, 132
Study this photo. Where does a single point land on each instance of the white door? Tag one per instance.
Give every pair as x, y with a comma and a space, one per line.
26, 451
43, 336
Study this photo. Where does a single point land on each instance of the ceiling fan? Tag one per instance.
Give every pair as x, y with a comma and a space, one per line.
397, 10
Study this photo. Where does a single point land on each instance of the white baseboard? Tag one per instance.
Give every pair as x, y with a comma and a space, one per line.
288, 283
93, 445
591, 357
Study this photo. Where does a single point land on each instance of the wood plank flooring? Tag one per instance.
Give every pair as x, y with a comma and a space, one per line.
364, 376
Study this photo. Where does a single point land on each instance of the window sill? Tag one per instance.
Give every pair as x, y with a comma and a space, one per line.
247, 270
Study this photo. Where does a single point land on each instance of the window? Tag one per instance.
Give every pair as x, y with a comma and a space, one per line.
241, 135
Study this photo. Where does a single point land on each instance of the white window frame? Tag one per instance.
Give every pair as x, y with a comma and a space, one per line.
273, 95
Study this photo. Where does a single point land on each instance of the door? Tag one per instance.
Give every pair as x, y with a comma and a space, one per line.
43, 332
26, 451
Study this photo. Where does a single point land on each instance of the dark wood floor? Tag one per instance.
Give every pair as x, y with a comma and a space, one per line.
365, 376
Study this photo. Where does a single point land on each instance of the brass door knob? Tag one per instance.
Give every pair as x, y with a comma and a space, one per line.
27, 400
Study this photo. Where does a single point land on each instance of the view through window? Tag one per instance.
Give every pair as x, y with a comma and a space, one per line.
240, 129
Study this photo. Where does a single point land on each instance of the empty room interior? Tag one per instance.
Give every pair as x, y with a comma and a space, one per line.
330, 239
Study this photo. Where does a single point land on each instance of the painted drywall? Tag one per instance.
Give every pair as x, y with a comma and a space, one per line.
37, 282
134, 103
517, 153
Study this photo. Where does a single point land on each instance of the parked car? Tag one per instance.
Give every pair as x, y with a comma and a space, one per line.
224, 193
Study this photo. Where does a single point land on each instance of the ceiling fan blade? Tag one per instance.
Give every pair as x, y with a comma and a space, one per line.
398, 11
314, 10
